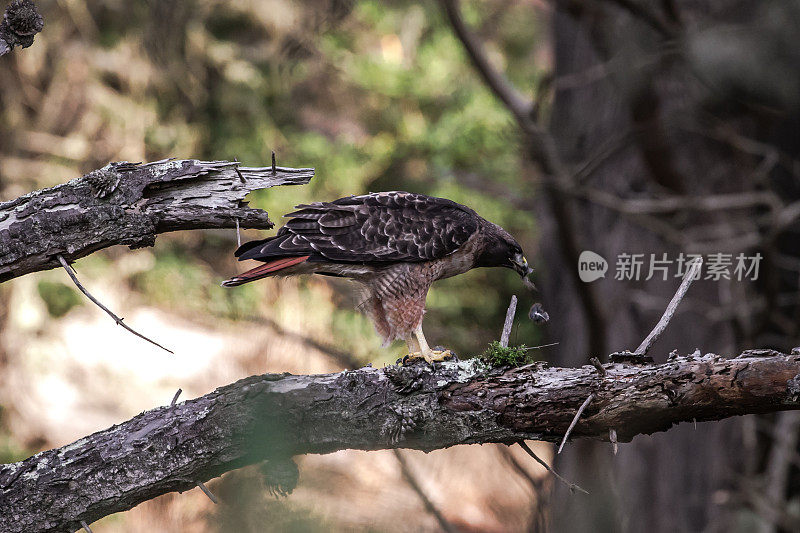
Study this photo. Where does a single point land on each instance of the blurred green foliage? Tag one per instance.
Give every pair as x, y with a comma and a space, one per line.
58, 297
177, 280
10, 450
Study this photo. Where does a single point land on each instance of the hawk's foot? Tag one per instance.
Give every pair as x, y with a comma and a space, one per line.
430, 356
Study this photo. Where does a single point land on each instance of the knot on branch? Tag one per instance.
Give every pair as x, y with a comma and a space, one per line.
103, 181
22, 18
280, 476
406, 379
20, 23
793, 388
406, 421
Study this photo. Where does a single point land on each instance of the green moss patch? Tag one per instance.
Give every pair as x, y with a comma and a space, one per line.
498, 355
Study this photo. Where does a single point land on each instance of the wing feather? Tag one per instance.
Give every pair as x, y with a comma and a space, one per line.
373, 228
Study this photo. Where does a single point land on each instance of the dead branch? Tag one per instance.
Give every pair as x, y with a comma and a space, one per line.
95, 301
575, 419
570, 485
417, 488
519, 106
175, 398
509, 322
126, 203
595, 362
202, 486
539, 496
692, 273
172, 448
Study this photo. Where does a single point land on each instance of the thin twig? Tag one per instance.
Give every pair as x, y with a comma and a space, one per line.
117, 319
238, 172
175, 398
509, 323
612, 437
572, 486
688, 278
207, 492
274, 166
535, 483
541, 346
575, 420
599, 366
414, 484
238, 235
672, 204
519, 106
86, 527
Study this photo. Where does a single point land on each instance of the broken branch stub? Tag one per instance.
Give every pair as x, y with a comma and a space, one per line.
20, 22
130, 203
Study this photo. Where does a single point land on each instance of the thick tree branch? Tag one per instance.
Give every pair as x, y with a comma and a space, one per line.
128, 203
273, 417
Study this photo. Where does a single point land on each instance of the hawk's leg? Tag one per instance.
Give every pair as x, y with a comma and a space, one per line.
425, 351
413, 344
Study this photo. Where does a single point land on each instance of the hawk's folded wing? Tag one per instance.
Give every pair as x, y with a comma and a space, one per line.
373, 228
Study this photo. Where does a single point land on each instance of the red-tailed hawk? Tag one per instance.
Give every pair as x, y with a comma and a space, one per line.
395, 243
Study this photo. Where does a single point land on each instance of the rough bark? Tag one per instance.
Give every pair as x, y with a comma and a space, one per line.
126, 203
272, 417
20, 23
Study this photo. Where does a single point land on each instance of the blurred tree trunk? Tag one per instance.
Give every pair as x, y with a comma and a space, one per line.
671, 115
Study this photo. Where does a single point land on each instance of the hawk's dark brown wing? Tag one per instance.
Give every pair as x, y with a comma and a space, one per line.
374, 228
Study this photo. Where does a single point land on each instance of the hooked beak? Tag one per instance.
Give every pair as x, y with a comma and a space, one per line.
522, 267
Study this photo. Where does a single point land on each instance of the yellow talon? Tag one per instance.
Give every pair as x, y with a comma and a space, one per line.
431, 355
418, 348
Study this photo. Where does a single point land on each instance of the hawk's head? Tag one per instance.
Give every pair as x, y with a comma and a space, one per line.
500, 249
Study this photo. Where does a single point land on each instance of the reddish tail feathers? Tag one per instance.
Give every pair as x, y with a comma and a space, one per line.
264, 270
